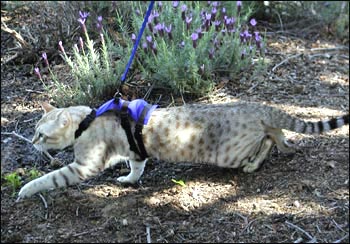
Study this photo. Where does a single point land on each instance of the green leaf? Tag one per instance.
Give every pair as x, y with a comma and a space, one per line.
179, 182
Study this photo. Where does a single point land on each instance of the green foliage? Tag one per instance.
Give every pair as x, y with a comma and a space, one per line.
33, 174
185, 65
179, 182
333, 14
14, 181
92, 71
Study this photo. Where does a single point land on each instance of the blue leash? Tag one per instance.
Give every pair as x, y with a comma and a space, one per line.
135, 107
137, 40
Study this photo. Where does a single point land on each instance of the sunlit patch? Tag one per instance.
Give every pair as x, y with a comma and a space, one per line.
334, 79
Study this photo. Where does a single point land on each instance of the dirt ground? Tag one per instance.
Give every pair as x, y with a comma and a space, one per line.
299, 198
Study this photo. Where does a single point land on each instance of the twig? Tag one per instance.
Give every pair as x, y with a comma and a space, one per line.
85, 232
44, 201
15, 34
312, 239
337, 225
30, 90
329, 49
27, 140
247, 226
341, 239
10, 58
290, 57
148, 231
15, 134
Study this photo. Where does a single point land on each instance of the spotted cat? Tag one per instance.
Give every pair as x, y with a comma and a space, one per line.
228, 135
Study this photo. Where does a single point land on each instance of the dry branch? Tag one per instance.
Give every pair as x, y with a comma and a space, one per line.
285, 60
15, 34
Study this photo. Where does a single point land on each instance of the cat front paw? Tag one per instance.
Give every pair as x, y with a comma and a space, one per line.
127, 180
27, 190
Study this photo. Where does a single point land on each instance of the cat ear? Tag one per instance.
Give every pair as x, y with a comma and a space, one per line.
64, 119
47, 107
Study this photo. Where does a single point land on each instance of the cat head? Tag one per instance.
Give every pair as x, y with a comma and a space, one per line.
54, 130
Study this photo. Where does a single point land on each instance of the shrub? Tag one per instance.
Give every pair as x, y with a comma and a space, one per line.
92, 70
188, 45
14, 181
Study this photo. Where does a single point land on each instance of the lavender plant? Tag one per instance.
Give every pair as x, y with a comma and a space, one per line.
94, 76
188, 45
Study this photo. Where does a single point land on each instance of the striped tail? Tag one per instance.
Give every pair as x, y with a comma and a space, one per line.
318, 127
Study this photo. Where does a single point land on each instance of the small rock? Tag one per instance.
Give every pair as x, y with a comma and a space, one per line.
296, 204
124, 222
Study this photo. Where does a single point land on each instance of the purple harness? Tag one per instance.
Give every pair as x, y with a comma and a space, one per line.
135, 108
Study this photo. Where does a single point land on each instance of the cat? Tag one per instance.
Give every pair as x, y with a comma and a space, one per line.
228, 135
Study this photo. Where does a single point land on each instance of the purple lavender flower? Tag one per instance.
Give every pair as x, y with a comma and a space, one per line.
99, 19
160, 5
208, 16
82, 23
207, 21
253, 22
215, 4
188, 22
229, 23
245, 36
138, 13
257, 39
149, 39
44, 55
155, 17
217, 25
168, 30
200, 33
194, 37
176, 4
144, 46
37, 72
213, 13
239, 6
61, 47
150, 18
160, 28
133, 38
183, 12
257, 36
150, 26
223, 13
84, 15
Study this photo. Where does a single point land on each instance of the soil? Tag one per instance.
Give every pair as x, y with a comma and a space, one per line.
298, 198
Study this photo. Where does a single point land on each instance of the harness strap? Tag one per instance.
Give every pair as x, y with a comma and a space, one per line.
85, 123
138, 132
127, 128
